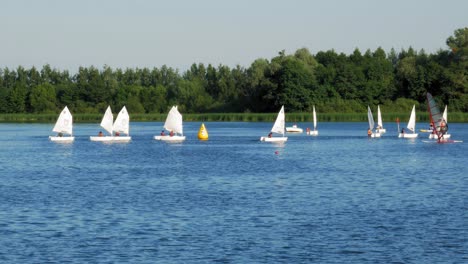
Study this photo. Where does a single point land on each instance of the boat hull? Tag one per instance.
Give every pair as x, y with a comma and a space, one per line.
274, 139
294, 130
110, 138
375, 135
434, 136
61, 139
381, 130
169, 138
407, 135
313, 133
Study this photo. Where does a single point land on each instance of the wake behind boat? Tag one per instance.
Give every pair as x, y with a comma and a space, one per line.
278, 128
173, 124
63, 126
121, 125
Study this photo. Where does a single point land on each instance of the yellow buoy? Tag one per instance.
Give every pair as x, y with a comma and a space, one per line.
203, 133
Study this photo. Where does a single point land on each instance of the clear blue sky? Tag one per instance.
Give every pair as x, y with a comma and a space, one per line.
142, 33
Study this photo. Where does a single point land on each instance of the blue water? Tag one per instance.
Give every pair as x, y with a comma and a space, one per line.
336, 198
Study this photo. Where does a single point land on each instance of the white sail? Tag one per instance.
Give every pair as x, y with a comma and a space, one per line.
64, 123
370, 118
379, 117
315, 117
121, 123
444, 115
108, 120
174, 121
412, 121
278, 127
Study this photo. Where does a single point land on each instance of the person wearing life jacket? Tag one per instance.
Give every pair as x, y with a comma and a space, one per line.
171, 133
369, 132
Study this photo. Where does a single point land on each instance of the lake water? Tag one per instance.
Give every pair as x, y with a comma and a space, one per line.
336, 198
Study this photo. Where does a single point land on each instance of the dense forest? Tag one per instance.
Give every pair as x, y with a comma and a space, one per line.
332, 82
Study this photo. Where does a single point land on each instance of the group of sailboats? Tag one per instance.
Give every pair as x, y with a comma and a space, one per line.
121, 125
279, 128
174, 128
118, 130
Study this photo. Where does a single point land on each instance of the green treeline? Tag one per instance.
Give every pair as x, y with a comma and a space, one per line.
334, 83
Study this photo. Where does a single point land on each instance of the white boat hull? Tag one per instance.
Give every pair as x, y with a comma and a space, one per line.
110, 138
313, 133
294, 130
169, 138
434, 136
61, 139
375, 135
407, 135
381, 130
274, 139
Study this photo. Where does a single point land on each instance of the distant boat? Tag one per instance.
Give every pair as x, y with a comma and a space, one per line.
445, 136
294, 129
370, 117
121, 125
278, 128
315, 131
380, 129
63, 126
173, 125
411, 126
202, 132
438, 121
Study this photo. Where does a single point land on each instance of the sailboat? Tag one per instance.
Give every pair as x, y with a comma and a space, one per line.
121, 125
64, 125
380, 129
315, 131
278, 128
173, 124
433, 135
411, 126
370, 118
438, 121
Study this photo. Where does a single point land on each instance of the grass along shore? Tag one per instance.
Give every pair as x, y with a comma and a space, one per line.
455, 117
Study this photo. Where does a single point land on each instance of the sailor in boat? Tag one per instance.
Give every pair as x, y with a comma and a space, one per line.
100, 134
369, 132
171, 133
403, 130
60, 134
117, 134
270, 134
308, 130
162, 133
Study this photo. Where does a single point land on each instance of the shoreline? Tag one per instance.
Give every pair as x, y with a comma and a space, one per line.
456, 117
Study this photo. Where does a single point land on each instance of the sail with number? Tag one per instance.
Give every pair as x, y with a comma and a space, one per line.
438, 122
108, 120
279, 127
64, 123
122, 121
174, 121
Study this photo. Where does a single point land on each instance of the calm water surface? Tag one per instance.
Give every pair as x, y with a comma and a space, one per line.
336, 198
